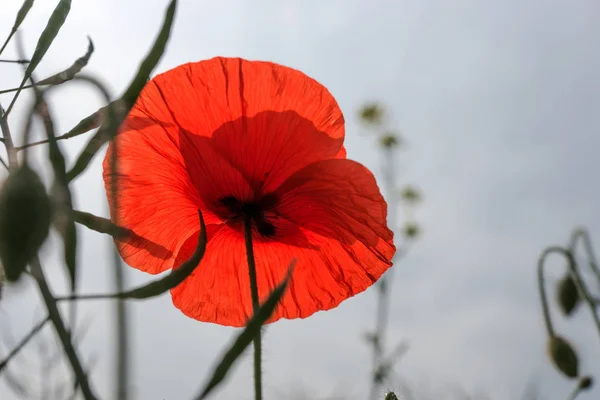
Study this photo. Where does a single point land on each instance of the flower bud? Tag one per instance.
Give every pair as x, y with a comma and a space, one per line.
563, 356
390, 396
568, 297
25, 212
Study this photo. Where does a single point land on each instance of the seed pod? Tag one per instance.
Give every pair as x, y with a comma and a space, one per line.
25, 212
568, 297
563, 356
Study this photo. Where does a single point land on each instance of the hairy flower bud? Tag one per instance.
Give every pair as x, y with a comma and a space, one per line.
25, 214
563, 356
567, 295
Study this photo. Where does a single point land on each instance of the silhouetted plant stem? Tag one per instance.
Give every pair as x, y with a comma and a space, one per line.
14, 61
122, 359
542, 287
38, 327
63, 335
8, 141
255, 308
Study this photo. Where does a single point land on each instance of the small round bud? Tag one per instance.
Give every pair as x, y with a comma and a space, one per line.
586, 382
410, 195
389, 141
25, 216
372, 113
390, 396
411, 230
563, 356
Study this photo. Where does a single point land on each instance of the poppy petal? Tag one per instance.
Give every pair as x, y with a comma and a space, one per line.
269, 120
336, 198
157, 201
267, 160
334, 260
201, 96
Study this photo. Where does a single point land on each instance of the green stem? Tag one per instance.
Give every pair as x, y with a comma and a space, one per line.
583, 235
574, 393
542, 287
61, 330
255, 308
23, 342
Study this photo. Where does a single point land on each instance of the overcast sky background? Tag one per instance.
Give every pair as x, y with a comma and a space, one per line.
498, 103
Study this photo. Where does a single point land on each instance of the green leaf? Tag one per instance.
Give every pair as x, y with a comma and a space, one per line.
149, 63
246, 337
92, 121
21, 14
99, 224
70, 72
131, 94
176, 276
159, 286
23, 11
56, 21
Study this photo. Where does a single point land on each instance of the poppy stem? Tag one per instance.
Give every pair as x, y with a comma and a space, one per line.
255, 308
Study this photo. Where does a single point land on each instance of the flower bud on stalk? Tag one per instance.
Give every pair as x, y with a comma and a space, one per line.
567, 295
563, 356
25, 216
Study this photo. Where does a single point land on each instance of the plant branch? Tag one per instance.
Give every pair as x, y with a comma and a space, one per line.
8, 141
38, 327
14, 61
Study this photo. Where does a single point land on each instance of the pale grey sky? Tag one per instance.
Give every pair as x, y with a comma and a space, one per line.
497, 102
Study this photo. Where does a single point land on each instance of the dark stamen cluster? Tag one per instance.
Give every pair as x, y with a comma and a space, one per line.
255, 211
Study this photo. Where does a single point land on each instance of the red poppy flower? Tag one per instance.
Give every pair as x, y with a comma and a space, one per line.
237, 139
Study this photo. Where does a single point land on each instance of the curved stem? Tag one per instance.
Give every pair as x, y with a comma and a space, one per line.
255, 308
542, 288
583, 235
578, 280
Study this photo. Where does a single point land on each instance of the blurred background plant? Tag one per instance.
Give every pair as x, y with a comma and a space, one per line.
400, 198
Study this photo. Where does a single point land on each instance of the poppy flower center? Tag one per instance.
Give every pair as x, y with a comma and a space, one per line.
237, 211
